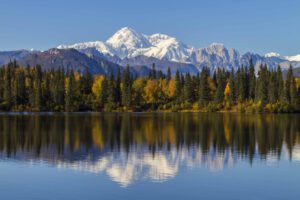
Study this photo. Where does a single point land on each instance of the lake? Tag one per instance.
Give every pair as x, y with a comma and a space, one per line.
149, 156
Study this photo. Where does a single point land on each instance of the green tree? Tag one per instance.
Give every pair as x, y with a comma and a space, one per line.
126, 88
204, 92
252, 80
70, 96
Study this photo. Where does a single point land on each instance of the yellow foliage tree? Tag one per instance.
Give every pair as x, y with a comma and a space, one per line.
138, 88
170, 90
227, 92
97, 86
151, 90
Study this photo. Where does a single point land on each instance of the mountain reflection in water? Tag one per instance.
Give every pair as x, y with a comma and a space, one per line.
130, 147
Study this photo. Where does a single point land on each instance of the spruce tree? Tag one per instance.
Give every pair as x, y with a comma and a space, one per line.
280, 85
70, 96
38, 88
272, 87
204, 92
232, 94
126, 89
288, 84
262, 85
252, 80
169, 76
178, 87
118, 94
20, 87
153, 72
188, 89
111, 89
8, 86
221, 84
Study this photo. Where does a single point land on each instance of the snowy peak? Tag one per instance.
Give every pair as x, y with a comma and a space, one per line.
98, 45
158, 38
128, 44
128, 38
295, 58
272, 54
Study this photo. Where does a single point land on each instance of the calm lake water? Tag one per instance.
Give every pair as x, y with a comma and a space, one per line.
149, 156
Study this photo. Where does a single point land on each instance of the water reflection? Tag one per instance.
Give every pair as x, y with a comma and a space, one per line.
130, 147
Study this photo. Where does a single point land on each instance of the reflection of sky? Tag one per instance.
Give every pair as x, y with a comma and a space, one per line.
126, 168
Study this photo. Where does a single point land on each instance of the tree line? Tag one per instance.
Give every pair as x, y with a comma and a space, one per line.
33, 89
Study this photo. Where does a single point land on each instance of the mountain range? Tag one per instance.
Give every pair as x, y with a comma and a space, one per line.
140, 51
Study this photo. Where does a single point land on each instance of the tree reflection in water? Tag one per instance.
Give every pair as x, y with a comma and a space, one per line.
129, 147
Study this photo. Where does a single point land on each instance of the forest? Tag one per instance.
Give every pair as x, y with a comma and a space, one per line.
32, 89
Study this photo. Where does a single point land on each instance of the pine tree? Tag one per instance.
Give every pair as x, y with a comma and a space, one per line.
118, 94
30, 93
169, 76
126, 89
153, 72
252, 80
160, 74
241, 84
38, 88
20, 88
280, 85
262, 85
288, 84
178, 89
188, 89
70, 96
221, 84
104, 93
204, 92
272, 88
8, 86
111, 89
86, 83
232, 94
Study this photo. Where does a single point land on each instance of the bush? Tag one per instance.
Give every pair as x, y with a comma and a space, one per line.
212, 107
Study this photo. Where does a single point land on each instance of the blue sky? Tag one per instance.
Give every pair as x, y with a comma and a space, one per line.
258, 25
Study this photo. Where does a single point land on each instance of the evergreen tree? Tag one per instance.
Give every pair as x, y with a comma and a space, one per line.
252, 81
126, 89
178, 89
188, 89
169, 76
272, 87
153, 72
221, 84
70, 96
111, 89
232, 94
241, 84
288, 84
118, 94
204, 92
262, 85
20, 88
104, 93
160, 74
38, 88
280, 85
8, 86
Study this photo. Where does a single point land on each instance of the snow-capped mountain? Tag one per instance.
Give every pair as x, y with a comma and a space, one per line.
140, 51
126, 45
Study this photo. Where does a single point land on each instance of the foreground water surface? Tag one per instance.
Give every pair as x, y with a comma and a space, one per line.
149, 156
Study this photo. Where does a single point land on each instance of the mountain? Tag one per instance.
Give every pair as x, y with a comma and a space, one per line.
67, 58
6, 56
140, 51
127, 46
293, 58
